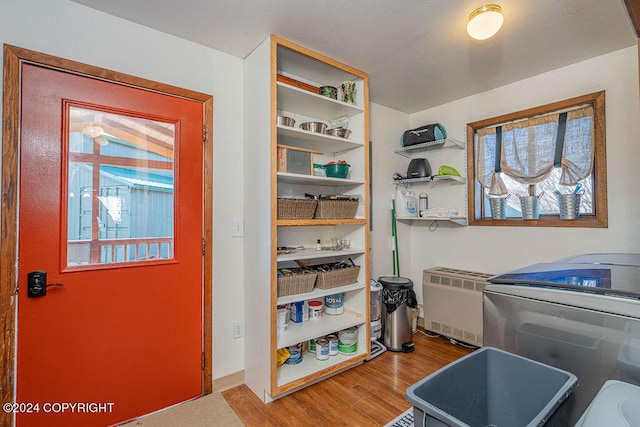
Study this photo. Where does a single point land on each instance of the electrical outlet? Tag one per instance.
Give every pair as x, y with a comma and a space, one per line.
237, 227
237, 330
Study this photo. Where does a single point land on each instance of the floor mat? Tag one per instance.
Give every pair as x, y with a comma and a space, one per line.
403, 420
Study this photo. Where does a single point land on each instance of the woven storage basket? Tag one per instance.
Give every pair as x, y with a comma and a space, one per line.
296, 208
339, 277
336, 209
296, 284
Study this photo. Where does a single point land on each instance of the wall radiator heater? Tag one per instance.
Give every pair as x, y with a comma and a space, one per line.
452, 301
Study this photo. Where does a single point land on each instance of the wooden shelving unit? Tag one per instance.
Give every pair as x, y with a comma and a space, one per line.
264, 232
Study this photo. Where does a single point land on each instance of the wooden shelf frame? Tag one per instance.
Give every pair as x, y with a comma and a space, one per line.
269, 99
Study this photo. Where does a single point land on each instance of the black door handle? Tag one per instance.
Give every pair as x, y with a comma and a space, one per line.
37, 284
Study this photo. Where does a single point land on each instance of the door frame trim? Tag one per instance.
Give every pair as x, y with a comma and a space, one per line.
14, 57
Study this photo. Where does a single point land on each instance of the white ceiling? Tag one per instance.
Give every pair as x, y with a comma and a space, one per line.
416, 52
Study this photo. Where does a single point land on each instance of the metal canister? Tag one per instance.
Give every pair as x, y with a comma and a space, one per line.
312, 345
423, 202
333, 344
315, 310
333, 304
322, 349
295, 357
348, 341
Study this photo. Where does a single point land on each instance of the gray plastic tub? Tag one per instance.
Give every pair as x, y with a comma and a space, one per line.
491, 387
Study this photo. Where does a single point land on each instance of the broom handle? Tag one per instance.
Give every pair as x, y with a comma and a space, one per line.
394, 234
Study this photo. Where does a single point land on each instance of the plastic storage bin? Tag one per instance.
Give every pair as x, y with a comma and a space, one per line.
616, 404
493, 387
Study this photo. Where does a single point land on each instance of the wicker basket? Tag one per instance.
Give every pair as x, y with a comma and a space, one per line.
296, 284
338, 277
296, 208
336, 209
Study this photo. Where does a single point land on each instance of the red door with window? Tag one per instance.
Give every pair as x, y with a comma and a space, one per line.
110, 209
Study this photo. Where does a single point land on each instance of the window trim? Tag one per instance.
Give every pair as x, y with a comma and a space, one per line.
597, 220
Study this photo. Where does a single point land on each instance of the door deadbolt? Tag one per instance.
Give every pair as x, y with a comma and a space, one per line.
37, 284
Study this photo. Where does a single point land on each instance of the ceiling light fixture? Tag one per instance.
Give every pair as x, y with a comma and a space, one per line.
101, 140
485, 21
92, 131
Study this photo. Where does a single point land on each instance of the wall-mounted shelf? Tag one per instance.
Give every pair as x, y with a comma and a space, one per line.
434, 180
413, 150
459, 220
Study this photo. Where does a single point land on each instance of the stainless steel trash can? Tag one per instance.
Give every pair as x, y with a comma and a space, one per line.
397, 313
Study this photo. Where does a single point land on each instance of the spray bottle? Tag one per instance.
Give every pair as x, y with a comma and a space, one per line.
407, 202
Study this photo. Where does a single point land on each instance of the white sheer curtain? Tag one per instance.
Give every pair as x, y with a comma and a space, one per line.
528, 150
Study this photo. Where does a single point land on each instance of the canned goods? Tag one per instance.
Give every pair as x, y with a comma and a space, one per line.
348, 341
348, 349
312, 345
333, 304
295, 355
333, 344
315, 310
322, 349
348, 336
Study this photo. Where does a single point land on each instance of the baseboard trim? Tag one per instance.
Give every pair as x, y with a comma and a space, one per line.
228, 381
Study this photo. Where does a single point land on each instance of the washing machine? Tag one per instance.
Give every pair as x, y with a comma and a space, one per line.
580, 314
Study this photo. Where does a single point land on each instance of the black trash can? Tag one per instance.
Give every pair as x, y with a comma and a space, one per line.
398, 298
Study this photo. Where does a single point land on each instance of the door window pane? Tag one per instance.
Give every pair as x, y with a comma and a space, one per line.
120, 188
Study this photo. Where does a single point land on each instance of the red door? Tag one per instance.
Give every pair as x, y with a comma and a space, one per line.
110, 208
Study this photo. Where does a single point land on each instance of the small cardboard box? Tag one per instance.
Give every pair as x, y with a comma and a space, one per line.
299, 311
296, 160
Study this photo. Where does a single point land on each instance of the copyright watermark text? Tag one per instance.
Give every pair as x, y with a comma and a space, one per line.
59, 407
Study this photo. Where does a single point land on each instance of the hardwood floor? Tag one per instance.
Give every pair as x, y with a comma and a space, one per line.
369, 395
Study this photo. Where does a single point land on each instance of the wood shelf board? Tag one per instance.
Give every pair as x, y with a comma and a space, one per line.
317, 222
296, 178
313, 253
294, 136
319, 293
313, 105
310, 366
304, 331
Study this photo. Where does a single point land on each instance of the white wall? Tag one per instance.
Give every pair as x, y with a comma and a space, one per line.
386, 128
69, 30
498, 249
72, 31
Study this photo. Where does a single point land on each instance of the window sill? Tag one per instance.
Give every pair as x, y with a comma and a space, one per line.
550, 221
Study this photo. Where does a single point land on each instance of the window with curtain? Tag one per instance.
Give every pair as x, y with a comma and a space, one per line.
547, 157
